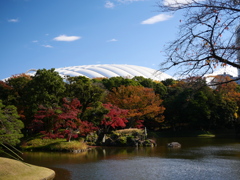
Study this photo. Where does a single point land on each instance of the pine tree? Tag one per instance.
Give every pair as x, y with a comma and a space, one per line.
10, 125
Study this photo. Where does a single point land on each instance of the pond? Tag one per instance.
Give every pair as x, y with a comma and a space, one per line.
198, 159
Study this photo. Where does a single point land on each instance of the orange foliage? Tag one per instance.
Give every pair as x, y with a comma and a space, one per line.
178, 84
139, 101
4, 85
21, 75
100, 78
225, 88
228, 90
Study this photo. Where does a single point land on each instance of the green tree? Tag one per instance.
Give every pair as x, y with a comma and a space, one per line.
174, 102
158, 87
191, 104
95, 113
187, 104
85, 91
169, 82
10, 125
223, 112
4, 92
228, 101
115, 82
17, 92
199, 110
17, 84
46, 88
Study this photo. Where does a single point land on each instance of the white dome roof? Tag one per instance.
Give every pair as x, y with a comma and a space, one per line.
112, 70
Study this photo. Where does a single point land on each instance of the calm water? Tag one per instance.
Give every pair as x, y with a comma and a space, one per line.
198, 159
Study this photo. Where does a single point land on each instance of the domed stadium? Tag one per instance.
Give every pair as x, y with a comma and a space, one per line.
111, 70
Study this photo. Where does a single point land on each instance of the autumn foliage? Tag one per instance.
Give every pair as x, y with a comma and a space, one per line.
140, 102
60, 122
115, 118
79, 106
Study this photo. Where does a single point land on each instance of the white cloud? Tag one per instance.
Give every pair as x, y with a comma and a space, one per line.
66, 38
176, 3
47, 46
157, 18
13, 20
112, 40
109, 4
35, 41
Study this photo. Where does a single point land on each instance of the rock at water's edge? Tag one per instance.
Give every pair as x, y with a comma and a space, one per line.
174, 145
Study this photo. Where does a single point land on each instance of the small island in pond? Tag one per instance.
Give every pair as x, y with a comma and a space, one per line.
128, 137
131, 137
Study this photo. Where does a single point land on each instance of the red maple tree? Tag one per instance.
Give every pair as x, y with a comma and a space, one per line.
140, 102
115, 118
60, 122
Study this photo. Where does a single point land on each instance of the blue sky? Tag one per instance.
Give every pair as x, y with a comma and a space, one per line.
36, 34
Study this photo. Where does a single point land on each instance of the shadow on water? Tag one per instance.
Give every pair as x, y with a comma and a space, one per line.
199, 158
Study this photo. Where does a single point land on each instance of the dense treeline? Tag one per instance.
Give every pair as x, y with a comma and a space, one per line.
68, 107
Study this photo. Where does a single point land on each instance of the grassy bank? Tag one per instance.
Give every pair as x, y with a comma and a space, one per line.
39, 144
16, 170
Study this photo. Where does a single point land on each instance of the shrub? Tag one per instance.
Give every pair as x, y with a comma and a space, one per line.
129, 132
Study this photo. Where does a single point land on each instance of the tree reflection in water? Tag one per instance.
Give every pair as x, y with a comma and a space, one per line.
198, 158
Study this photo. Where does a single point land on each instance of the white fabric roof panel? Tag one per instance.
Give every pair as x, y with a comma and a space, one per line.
113, 70
147, 72
116, 70
110, 70
130, 70
104, 72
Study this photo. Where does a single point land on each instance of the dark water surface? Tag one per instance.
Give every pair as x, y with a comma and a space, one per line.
198, 159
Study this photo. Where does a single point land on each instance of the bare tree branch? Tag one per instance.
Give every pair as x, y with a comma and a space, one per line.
207, 36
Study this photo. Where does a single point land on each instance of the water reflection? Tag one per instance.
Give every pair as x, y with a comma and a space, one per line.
199, 158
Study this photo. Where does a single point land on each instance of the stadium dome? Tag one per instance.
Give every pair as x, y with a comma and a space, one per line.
111, 70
